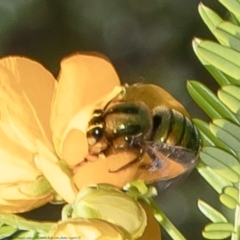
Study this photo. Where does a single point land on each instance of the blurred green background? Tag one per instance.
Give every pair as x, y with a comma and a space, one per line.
147, 41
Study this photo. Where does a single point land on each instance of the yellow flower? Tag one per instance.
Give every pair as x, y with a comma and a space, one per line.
35, 109
43, 124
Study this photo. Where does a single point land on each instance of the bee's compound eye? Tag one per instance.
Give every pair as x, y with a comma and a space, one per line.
94, 135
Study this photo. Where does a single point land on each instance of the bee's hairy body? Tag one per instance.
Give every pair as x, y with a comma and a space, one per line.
146, 120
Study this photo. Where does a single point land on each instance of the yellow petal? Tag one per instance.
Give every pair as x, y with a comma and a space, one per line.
35, 82
16, 161
99, 171
73, 146
20, 126
22, 203
59, 179
83, 80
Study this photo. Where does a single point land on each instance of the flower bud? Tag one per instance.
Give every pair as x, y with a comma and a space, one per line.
111, 204
86, 229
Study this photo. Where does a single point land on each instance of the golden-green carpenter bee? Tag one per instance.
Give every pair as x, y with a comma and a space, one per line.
148, 120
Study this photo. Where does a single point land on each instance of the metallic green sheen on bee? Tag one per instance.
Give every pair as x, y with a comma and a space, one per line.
147, 119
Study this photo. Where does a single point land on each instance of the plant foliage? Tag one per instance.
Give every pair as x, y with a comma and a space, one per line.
220, 154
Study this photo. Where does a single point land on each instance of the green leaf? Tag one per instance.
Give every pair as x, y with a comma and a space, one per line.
209, 102
219, 168
221, 78
229, 197
232, 90
210, 18
231, 102
223, 157
226, 137
214, 179
208, 138
222, 163
218, 230
228, 126
219, 227
20, 223
7, 231
224, 58
233, 6
228, 201
211, 213
228, 35
232, 192
231, 98
216, 235
225, 32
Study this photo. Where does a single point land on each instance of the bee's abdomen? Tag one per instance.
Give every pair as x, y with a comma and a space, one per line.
174, 129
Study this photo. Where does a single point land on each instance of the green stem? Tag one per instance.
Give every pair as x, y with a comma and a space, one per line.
236, 233
163, 220
23, 224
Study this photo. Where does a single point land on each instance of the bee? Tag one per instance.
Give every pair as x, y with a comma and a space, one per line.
149, 121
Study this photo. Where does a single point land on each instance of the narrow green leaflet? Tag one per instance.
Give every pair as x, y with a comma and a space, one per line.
224, 58
209, 102
216, 235
218, 230
230, 197
228, 201
232, 191
233, 6
215, 180
210, 18
221, 78
222, 163
232, 90
229, 100
219, 227
219, 168
220, 156
228, 35
211, 213
226, 137
228, 126
225, 32
208, 138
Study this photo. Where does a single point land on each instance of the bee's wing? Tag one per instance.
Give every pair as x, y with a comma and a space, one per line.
178, 154
165, 165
